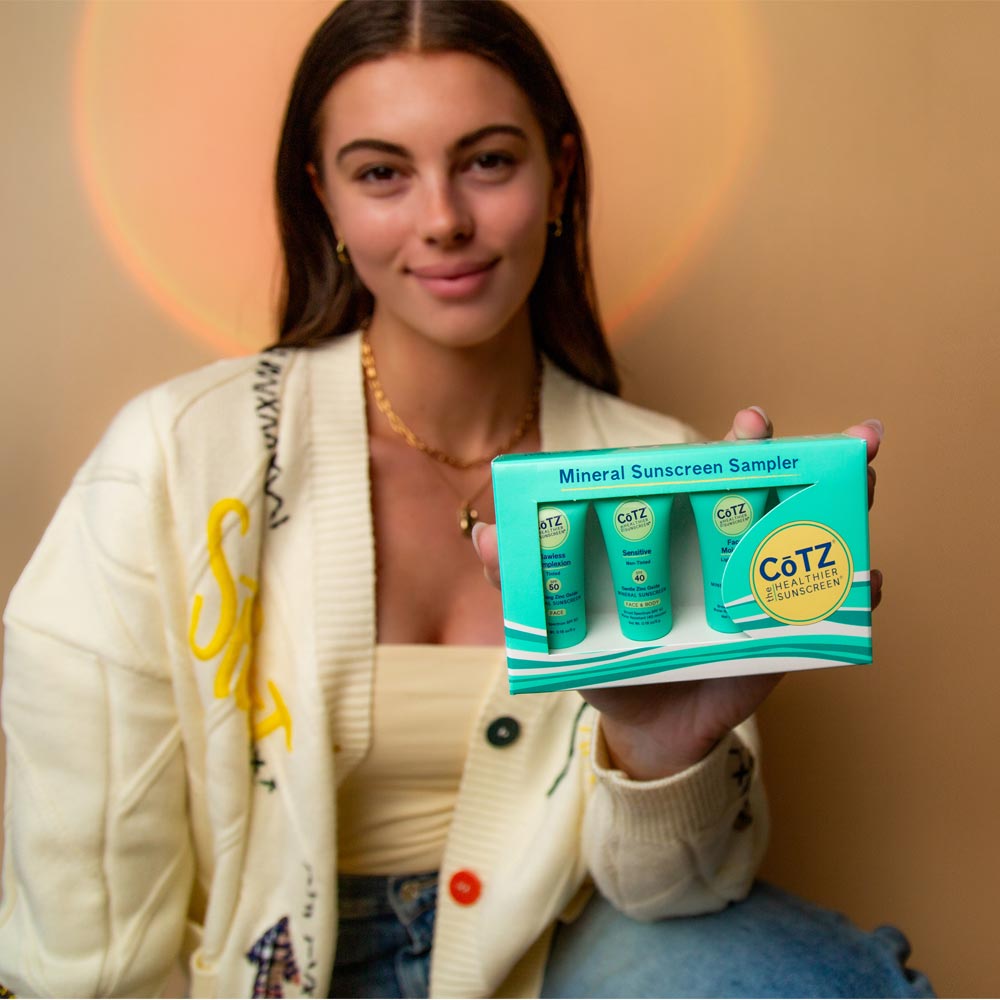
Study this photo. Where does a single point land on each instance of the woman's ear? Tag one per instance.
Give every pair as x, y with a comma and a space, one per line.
562, 170
317, 185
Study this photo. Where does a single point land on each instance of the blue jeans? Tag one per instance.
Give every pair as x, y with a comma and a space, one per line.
770, 945
384, 935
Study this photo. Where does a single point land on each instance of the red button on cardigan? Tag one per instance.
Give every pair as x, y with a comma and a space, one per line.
465, 887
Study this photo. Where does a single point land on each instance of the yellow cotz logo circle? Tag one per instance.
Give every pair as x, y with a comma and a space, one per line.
634, 520
801, 573
553, 527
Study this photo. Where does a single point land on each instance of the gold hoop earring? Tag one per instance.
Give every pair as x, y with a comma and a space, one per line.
557, 228
342, 254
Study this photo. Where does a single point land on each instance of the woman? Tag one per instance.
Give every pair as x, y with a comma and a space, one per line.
278, 547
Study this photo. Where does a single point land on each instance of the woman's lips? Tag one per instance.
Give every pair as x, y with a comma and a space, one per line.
458, 280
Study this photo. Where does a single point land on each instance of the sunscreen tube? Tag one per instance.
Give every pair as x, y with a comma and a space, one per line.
637, 538
722, 520
562, 529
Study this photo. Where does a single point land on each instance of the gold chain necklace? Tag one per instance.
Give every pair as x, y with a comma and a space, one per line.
467, 514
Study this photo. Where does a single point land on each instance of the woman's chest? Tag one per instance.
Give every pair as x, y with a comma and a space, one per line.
429, 581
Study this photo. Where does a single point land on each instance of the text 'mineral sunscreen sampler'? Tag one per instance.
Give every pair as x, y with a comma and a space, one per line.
561, 535
722, 519
637, 538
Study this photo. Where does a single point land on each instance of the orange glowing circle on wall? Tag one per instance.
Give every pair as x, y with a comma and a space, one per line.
177, 109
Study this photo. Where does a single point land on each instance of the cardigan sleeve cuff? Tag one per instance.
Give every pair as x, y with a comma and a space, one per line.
682, 804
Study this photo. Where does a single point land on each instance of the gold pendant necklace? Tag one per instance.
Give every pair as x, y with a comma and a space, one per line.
467, 517
467, 514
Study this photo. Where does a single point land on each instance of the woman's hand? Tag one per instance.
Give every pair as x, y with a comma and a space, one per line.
656, 730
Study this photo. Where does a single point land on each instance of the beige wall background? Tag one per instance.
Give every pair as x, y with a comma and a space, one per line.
797, 206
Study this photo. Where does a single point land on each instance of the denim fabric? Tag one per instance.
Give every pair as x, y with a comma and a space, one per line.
770, 945
384, 935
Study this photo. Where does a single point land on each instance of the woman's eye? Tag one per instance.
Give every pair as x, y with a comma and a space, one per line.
493, 163
378, 174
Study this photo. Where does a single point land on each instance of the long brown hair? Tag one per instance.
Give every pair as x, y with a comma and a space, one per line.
320, 297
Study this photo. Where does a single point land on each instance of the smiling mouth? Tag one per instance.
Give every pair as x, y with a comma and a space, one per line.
455, 281
452, 272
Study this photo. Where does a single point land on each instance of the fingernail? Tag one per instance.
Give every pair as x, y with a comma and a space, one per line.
477, 528
875, 423
760, 410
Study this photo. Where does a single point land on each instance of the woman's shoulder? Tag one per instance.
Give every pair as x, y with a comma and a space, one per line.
580, 416
627, 423
211, 408
219, 384
253, 376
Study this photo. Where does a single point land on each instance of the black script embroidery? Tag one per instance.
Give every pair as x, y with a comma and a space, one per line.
265, 780
309, 973
742, 772
268, 408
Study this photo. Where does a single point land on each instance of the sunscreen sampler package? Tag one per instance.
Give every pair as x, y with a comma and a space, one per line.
642, 565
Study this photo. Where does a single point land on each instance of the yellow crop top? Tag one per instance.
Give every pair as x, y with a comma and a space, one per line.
395, 808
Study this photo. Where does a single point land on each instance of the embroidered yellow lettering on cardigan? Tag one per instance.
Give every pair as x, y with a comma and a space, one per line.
223, 577
236, 632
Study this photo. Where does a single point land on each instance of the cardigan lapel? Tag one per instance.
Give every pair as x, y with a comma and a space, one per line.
344, 543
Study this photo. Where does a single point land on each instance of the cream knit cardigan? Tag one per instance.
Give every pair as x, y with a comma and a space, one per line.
188, 676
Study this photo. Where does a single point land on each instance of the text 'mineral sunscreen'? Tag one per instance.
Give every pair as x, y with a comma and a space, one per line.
561, 535
722, 520
637, 538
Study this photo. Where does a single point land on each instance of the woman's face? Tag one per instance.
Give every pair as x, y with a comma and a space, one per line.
436, 177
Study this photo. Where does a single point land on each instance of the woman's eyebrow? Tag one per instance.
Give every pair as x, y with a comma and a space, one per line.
393, 149
378, 145
487, 130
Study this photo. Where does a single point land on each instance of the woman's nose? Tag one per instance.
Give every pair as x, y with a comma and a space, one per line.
446, 218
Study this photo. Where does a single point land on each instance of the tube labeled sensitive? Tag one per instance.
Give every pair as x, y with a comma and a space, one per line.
637, 538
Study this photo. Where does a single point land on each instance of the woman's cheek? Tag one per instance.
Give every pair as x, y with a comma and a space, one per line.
374, 257
372, 227
522, 222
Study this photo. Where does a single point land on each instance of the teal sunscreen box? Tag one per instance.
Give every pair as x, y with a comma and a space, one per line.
645, 565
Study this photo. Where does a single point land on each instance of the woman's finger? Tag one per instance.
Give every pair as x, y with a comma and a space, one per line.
872, 431
750, 424
876, 587
484, 541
